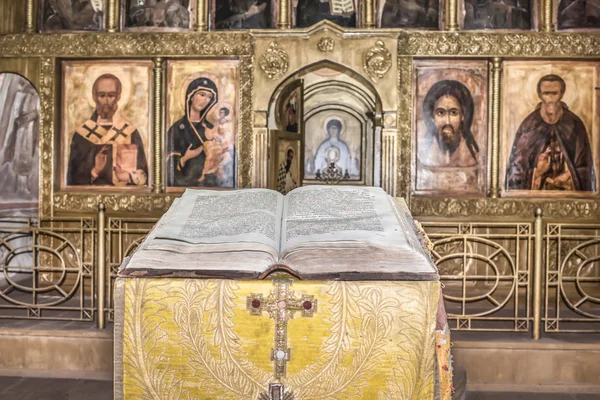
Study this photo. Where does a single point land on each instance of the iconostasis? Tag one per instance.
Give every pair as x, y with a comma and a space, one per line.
465, 108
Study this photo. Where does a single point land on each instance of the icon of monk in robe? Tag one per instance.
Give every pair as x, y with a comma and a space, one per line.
107, 149
551, 150
196, 149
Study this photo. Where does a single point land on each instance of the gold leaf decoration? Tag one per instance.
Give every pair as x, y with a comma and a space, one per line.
334, 380
142, 351
531, 44
563, 208
377, 61
413, 380
326, 45
128, 44
226, 377
275, 62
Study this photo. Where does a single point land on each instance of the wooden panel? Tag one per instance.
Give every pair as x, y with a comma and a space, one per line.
13, 16
28, 67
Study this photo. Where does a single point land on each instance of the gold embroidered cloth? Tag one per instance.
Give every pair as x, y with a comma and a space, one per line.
211, 339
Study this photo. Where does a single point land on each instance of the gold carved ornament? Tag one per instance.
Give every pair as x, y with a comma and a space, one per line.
377, 61
326, 45
275, 62
528, 44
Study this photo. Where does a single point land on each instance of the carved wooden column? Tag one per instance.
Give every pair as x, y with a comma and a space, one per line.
201, 24
47, 132
496, 77
157, 132
283, 14
369, 14
452, 15
29, 27
388, 160
537, 272
111, 15
546, 17
261, 150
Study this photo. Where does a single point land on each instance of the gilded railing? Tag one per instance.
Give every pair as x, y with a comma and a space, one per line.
48, 268
123, 236
486, 269
516, 276
572, 279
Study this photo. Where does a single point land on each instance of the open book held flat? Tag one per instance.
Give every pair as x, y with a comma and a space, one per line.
315, 232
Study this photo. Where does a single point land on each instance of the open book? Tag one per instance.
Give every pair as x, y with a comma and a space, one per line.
315, 232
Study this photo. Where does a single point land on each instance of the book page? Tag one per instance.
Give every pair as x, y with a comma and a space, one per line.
341, 213
211, 217
342, 7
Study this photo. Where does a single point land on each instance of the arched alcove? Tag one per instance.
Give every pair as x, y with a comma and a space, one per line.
328, 92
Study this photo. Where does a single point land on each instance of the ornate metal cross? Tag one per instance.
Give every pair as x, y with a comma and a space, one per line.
281, 304
276, 392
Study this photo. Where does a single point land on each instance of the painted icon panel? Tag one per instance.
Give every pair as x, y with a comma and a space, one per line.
450, 146
498, 14
334, 137
243, 14
578, 14
157, 15
202, 118
549, 129
288, 168
106, 120
309, 12
409, 13
19, 145
66, 15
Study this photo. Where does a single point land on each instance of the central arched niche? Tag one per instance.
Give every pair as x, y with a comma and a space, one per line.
328, 92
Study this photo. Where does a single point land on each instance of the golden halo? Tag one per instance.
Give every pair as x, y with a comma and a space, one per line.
332, 117
190, 79
571, 91
93, 72
288, 148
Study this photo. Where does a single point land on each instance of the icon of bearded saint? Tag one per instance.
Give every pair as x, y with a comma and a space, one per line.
448, 155
107, 149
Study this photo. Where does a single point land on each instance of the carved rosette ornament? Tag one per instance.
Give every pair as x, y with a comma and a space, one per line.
377, 61
275, 62
326, 45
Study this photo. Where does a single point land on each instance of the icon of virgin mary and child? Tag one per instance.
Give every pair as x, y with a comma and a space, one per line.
199, 153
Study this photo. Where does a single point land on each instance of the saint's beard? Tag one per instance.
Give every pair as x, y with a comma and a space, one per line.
449, 138
106, 111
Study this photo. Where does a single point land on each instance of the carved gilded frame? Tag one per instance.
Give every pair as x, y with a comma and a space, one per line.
50, 49
494, 47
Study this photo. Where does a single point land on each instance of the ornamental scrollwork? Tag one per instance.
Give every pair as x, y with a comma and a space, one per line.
499, 44
451, 208
377, 61
143, 203
275, 62
128, 44
326, 45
